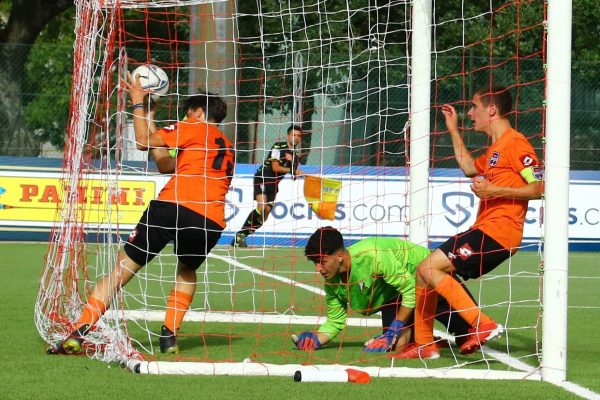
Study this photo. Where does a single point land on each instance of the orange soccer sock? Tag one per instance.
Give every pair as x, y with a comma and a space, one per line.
92, 312
177, 306
459, 300
425, 314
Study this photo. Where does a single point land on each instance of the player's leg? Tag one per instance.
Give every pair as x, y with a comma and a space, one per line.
253, 222
473, 254
178, 303
454, 323
265, 191
424, 315
145, 241
97, 304
195, 238
255, 218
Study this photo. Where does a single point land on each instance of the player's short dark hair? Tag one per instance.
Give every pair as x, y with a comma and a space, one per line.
294, 128
212, 104
323, 242
497, 95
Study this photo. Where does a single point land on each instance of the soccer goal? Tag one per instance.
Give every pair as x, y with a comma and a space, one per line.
365, 81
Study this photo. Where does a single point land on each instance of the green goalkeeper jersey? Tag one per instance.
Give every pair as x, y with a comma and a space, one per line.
381, 268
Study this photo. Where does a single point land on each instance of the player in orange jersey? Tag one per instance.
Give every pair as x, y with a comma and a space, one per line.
505, 178
189, 210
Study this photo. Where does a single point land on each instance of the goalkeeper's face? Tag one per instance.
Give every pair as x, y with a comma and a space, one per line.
329, 265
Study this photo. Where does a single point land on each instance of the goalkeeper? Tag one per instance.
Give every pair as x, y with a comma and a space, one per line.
283, 158
373, 275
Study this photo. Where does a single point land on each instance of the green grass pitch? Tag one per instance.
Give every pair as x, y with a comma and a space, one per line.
29, 373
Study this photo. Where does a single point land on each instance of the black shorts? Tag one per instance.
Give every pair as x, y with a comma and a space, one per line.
473, 253
266, 186
193, 234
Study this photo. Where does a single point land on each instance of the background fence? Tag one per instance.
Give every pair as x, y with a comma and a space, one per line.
45, 97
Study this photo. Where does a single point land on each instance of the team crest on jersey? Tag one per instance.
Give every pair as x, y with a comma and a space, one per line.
132, 235
494, 159
527, 160
538, 173
464, 252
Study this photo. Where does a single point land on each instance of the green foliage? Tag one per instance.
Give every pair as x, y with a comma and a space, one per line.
5, 7
586, 46
328, 46
336, 49
47, 85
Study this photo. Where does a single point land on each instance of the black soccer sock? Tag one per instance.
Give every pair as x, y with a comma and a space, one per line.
253, 222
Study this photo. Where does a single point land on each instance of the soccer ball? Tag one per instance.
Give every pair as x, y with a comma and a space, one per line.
152, 77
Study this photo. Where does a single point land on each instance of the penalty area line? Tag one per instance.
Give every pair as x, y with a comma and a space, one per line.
279, 278
504, 358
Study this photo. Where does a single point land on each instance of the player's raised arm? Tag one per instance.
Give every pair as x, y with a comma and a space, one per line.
145, 134
462, 154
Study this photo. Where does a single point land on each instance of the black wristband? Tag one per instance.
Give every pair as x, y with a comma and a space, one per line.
137, 105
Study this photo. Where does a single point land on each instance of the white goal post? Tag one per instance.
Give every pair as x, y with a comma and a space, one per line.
68, 274
556, 230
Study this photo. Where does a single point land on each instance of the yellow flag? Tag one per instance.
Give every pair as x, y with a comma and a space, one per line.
322, 195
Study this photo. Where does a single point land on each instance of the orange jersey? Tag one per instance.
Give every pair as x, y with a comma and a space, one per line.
205, 160
501, 165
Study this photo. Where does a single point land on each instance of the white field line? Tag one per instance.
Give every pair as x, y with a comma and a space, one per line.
279, 278
527, 371
501, 357
504, 358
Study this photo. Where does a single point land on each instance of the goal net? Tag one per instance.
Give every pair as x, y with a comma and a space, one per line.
340, 70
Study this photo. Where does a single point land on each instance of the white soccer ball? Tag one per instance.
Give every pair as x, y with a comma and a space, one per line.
152, 77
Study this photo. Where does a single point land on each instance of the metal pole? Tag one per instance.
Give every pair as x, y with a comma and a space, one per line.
556, 250
420, 85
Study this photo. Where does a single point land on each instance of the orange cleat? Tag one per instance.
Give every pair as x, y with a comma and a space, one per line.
480, 336
417, 351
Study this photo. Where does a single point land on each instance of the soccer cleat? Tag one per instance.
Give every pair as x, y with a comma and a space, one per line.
239, 240
446, 343
417, 351
168, 341
72, 344
441, 342
480, 336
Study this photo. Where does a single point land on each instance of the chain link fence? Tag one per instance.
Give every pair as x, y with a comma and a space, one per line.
41, 87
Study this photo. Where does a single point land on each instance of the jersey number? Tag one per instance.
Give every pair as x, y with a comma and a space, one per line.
218, 161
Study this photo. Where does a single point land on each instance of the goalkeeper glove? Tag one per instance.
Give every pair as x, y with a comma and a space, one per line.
386, 341
307, 341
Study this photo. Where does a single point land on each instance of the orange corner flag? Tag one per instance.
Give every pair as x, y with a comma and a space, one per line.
322, 195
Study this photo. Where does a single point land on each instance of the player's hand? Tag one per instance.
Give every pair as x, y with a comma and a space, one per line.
307, 341
135, 89
386, 341
451, 117
483, 189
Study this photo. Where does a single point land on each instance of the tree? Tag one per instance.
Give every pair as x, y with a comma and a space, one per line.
341, 45
26, 19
